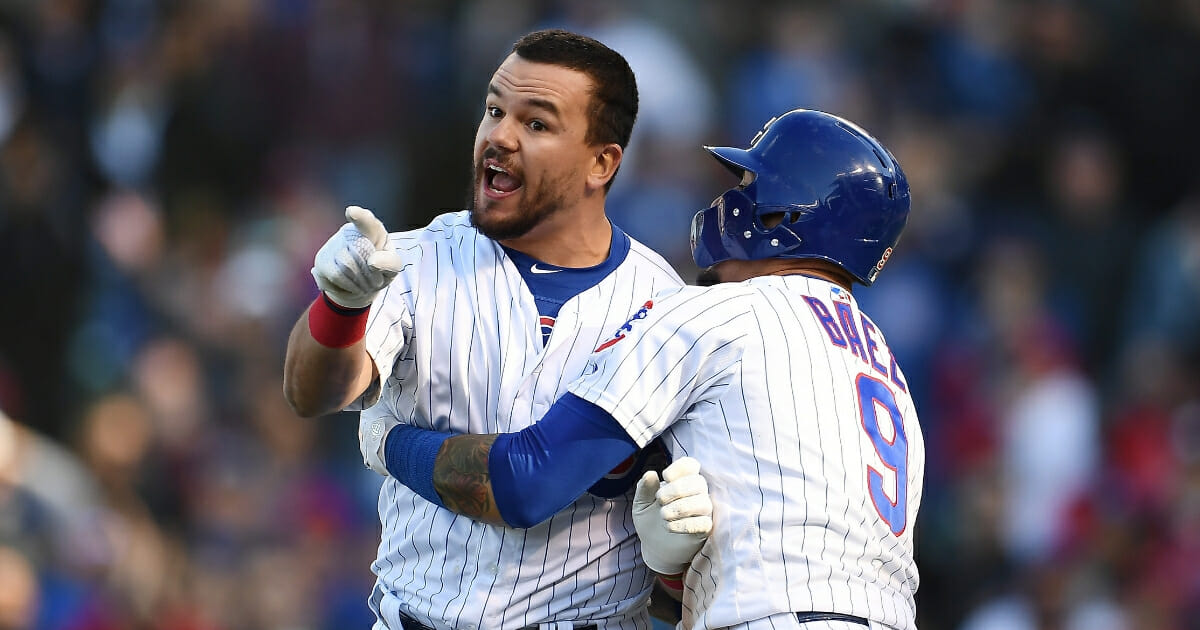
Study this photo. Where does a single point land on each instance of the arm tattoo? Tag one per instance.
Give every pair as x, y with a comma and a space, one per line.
461, 477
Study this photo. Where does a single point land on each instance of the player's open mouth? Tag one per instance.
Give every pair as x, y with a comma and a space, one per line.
498, 181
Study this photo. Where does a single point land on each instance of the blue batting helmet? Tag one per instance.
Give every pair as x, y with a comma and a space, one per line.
842, 195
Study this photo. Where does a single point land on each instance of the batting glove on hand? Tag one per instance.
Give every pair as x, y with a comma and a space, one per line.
372, 438
354, 264
674, 518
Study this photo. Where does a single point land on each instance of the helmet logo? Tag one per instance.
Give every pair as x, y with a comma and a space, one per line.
887, 253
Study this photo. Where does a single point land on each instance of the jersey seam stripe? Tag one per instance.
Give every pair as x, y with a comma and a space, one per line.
771, 405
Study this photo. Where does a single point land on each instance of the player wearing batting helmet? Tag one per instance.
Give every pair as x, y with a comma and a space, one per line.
774, 378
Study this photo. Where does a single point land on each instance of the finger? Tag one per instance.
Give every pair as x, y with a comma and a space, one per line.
386, 260
371, 227
647, 486
687, 507
697, 525
685, 487
332, 282
681, 467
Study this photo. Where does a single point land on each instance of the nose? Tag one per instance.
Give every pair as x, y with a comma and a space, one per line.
502, 135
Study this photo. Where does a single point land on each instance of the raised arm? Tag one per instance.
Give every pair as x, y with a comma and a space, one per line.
327, 366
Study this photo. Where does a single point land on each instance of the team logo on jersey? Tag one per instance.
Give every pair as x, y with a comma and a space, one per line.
547, 325
627, 326
839, 294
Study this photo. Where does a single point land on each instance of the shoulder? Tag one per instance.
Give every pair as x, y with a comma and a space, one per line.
701, 318
687, 305
643, 258
715, 294
452, 229
450, 225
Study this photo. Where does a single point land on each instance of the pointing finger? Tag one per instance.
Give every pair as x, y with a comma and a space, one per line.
368, 224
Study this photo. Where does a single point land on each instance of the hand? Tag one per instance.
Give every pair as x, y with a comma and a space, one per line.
354, 264
673, 519
372, 438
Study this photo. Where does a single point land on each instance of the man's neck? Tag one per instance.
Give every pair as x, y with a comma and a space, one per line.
739, 270
567, 241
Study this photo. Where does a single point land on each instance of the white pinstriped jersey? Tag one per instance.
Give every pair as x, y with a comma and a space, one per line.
788, 396
458, 344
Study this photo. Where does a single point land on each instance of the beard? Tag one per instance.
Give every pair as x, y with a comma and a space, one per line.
537, 205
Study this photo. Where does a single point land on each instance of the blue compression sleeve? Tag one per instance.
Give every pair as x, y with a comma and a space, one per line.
411, 453
544, 467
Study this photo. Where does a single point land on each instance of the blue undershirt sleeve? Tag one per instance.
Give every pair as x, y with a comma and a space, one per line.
543, 468
534, 472
411, 453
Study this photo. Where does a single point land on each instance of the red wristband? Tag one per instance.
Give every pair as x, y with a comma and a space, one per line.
334, 326
673, 582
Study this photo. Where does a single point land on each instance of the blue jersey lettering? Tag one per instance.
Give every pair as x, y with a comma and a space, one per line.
831, 328
846, 316
868, 328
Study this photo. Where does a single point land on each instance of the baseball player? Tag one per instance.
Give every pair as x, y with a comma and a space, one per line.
476, 324
774, 378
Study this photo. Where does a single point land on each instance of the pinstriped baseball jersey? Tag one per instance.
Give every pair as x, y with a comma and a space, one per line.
457, 339
791, 400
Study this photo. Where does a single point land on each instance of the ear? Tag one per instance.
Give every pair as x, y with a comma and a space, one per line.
604, 166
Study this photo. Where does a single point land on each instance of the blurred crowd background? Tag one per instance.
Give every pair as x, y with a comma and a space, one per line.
168, 168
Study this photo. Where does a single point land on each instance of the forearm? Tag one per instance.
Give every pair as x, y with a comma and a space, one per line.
327, 365
461, 478
317, 379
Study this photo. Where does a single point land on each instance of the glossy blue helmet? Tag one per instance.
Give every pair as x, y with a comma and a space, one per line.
842, 195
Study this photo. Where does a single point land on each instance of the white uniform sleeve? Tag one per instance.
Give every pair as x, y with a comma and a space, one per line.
390, 326
685, 349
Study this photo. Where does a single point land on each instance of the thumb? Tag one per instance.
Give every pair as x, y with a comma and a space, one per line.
368, 224
386, 260
647, 487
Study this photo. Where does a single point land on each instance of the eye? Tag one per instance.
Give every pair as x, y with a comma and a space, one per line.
493, 112
537, 125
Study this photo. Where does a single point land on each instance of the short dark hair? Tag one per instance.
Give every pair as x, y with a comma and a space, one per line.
614, 98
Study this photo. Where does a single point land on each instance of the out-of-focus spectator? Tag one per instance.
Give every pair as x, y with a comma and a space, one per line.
800, 58
19, 592
1091, 224
1165, 295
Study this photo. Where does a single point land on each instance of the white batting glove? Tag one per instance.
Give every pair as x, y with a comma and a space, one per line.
355, 264
674, 518
372, 437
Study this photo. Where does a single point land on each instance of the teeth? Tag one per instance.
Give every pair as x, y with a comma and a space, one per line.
496, 168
